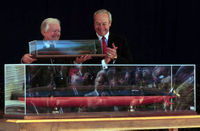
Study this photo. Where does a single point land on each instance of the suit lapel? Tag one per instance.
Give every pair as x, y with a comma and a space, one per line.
110, 40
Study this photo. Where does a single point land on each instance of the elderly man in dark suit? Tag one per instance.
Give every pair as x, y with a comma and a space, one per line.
51, 30
116, 50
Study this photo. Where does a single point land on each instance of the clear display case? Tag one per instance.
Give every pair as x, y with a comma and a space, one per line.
65, 48
65, 88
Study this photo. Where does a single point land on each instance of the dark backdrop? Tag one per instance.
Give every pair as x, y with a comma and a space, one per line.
158, 31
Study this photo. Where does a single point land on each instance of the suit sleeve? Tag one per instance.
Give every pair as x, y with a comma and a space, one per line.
123, 52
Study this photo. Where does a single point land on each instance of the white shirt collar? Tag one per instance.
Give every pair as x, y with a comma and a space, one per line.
100, 37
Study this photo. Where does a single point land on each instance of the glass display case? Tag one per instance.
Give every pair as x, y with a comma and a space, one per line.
65, 88
65, 48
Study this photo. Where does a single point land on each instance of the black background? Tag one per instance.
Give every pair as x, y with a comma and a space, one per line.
158, 31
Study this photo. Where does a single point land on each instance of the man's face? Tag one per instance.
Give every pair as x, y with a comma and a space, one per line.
53, 33
99, 79
102, 24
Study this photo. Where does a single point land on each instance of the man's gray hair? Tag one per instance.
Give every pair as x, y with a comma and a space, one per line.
45, 23
102, 11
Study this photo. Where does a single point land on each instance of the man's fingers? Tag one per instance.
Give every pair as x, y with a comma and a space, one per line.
114, 47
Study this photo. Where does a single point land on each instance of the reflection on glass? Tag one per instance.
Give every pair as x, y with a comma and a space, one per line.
40, 89
65, 47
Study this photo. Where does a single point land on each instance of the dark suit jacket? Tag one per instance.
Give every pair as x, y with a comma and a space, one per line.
55, 61
123, 53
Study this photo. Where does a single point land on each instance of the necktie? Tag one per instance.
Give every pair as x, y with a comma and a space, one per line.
104, 45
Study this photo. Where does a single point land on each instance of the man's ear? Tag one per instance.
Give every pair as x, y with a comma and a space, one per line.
110, 24
43, 32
